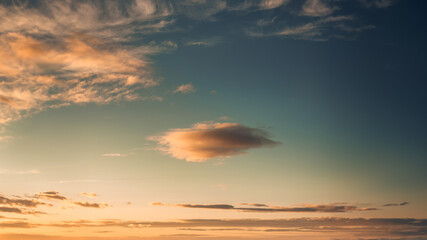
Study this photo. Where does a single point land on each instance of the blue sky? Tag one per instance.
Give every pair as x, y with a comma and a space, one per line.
150, 112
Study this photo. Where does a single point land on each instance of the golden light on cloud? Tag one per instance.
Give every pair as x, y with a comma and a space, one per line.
208, 140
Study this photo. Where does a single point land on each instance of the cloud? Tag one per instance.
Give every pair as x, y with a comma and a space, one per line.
16, 224
185, 88
90, 195
114, 155
378, 3
104, 19
20, 202
307, 30
395, 204
320, 29
316, 8
51, 195
270, 4
75, 69
58, 53
205, 42
332, 208
19, 210
254, 204
10, 210
207, 140
92, 205
305, 228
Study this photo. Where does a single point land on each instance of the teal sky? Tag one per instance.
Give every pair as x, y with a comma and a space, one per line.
163, 111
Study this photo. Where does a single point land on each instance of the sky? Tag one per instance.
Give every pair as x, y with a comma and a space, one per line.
213, 120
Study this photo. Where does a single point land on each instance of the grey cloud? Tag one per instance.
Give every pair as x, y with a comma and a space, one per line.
20, 202
10, 210
51, 195
91, 205
395, 204
265, 208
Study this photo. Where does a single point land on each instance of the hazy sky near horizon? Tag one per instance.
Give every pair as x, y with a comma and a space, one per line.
198, 119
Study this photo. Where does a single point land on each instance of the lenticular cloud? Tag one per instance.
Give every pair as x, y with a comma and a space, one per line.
210, 140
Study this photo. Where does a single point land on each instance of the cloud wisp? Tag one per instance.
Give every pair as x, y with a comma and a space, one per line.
89, 195
317, 8
263, 208
185, 88
208, 140
395, 204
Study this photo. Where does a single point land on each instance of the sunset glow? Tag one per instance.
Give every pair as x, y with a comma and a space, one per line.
213, 120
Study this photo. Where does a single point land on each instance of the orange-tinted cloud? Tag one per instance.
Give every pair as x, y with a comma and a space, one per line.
209, 140
58, 53
89, 195
75, 68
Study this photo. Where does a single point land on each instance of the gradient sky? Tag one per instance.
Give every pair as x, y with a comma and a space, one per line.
219, 120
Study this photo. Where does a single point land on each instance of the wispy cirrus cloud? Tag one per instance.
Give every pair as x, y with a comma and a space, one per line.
317, 8
55, 54
378, 3
208, 42
185, 88
210, 140
270, 4
331, 208
319, 29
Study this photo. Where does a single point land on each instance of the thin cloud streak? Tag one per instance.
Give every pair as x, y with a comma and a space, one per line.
265, 208
317, 8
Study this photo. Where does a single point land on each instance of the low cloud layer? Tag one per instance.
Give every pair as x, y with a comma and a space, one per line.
332, 208
46, 200
208, 140
306, 228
